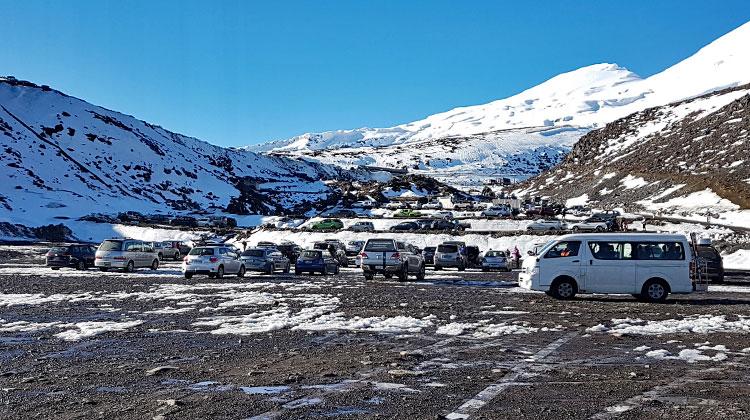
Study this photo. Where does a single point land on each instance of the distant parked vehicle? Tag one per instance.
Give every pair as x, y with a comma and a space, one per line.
473, 256
214, 261
391, 258
188, 221
353, 248
497, 211
540, 211
407, 213
365, 204
265, 260
712, 258
444, 214
316, 261
432, 205
126, 254
495, 260
404, 227
345, 213
362, 227
394, 205
425, 224
428, 253
589, 225
328, 224
450, 254
545, 225
336, 249
167, 249
266, 244
158, 219
203, 222
446, 225
79, 256
131, 217
578, 211
222, 222
290, 250
463, 205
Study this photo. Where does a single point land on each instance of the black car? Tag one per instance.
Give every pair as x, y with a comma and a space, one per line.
473, 256
132, 217
424, 224
446, 225
405, 227
291, 251
188, 221
345, 213
429, 255
714, 263
80, 256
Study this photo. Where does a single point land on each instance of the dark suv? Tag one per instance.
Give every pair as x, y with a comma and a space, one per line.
80, 256
714, 263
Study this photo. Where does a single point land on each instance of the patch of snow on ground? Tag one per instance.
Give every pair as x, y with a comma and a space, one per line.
698, 324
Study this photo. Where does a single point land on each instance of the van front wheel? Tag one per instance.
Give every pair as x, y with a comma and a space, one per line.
655, 290
564, 288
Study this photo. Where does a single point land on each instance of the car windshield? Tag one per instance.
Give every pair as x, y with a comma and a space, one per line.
380, 245
495, 254
320, 245
59, 249
202, 251
311, 255
111, 246
447, 249
253, 253
429, 249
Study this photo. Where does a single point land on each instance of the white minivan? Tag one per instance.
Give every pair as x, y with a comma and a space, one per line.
648, 266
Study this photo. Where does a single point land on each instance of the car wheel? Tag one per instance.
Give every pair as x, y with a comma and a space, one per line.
188, 276
161, 256
404, 274
241, 273
288, 268
462, 267
55, 268
599, 229
485, 269
437, 267
177, 256
105, 269
421, 273
297, 273
369, 276
388, 275
337, 270
576, 229
270, 269
81, 265
130, 267
212, 276
564, 288
220, 272
655, 290
325, 271
155, 265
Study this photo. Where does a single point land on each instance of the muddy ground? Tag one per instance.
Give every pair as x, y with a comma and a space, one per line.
154, 345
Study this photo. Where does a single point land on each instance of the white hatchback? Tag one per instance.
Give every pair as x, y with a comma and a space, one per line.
213, 260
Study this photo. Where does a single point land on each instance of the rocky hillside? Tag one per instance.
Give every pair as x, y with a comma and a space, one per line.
523, 134
63, 157
691, 156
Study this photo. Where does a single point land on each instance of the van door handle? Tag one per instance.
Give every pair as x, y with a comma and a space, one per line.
576, 261
591, 262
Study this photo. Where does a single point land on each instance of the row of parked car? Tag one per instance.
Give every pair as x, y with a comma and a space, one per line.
127, 254
134, 218
598, 222
424, 224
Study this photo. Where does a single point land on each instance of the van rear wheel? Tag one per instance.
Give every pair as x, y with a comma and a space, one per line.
564, 288
655, 290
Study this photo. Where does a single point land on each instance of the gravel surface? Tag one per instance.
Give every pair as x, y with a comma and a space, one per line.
154, 345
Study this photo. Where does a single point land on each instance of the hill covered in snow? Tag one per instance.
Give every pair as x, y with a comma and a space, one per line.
63, 157
521, 135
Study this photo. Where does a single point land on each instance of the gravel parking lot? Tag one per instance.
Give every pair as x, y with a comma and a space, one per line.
152, 344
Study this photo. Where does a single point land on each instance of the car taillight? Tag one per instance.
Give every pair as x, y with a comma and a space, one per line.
395, 256
184, 259
119, 258
213, 259
363, 255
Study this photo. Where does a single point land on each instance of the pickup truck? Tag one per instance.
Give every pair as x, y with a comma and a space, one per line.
391, 258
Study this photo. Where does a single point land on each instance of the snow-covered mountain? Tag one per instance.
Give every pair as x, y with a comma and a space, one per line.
522, 125
690, 158
63, 157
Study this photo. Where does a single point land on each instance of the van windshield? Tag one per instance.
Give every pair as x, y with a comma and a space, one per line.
495, 254
111, 246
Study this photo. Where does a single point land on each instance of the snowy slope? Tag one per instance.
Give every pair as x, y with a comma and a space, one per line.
582, 99
63, 157
686, 159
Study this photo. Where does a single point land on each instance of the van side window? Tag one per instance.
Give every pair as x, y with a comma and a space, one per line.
133, 246
564, 249
611, 250
660, 251
148, 247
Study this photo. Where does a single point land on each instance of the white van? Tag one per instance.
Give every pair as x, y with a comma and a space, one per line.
648, 266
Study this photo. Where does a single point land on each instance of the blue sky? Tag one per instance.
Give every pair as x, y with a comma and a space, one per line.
241, 72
